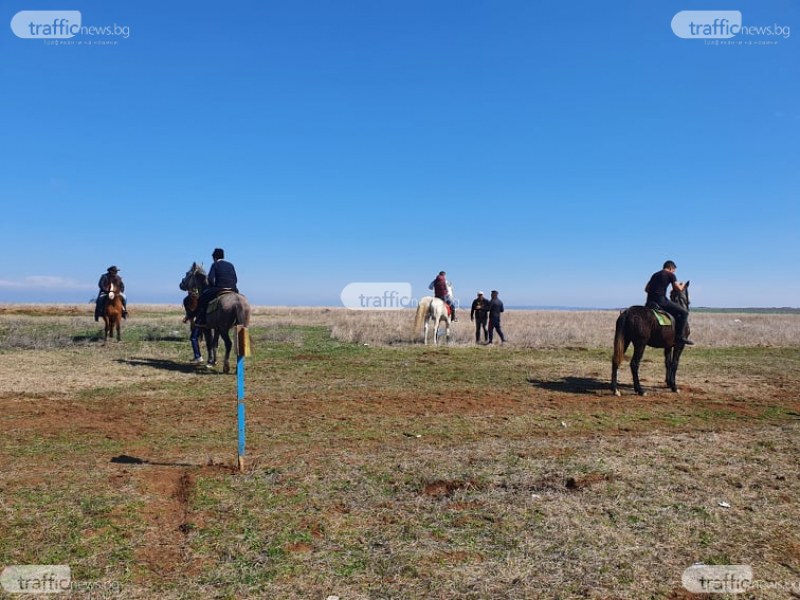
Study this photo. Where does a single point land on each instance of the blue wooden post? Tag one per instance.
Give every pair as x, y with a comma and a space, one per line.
240, 409
242, 350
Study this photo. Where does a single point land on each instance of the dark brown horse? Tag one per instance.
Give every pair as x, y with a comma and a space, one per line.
112, 316
638, 325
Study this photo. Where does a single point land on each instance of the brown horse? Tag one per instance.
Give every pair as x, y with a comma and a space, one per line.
112, 316
638, 325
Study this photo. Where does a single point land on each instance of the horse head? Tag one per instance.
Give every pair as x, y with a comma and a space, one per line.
681, 297
194, 280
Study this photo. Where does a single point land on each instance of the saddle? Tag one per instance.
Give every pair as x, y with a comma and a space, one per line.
664, 318
214, 304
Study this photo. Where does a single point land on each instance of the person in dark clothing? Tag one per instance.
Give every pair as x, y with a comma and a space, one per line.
221, 277
656, 290
194, 338
442, 289
111, 276
495, 308
479, 315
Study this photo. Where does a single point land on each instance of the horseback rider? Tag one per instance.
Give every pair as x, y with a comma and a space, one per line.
442, 289
221, 277
107, 279
656, 290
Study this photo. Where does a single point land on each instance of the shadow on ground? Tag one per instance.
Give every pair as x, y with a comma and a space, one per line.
165, 365
572, 385
125, 459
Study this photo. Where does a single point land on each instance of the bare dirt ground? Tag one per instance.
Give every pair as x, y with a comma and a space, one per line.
390, 471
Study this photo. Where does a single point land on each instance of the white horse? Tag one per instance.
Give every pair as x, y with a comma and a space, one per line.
433, 310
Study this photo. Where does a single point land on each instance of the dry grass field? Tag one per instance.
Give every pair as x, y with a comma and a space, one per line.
379, 468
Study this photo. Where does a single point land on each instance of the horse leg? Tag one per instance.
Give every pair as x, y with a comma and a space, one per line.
668, 366
616, 361
226, 365
425, 329
119, 322
105, 329
209, 339
638, 352
212, 350
676, 357
447, 331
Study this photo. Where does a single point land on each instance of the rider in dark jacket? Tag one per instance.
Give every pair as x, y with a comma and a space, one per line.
656, 290
221, 277
111, 276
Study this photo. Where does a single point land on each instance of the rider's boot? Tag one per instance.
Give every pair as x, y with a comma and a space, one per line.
683, 339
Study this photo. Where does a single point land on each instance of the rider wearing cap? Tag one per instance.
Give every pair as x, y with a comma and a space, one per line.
111, 276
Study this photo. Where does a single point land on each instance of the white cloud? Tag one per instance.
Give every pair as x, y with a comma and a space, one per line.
44, 282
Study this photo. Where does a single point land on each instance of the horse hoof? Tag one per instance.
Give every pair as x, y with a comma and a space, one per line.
642, 393
226, 368
617, 393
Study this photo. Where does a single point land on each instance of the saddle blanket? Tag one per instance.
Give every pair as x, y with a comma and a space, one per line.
664, 319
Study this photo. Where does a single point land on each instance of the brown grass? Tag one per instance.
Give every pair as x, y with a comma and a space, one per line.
393, 470
542, 329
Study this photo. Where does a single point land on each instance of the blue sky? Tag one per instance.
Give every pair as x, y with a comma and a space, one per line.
558, 152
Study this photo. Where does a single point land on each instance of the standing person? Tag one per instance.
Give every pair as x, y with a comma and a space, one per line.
479, 314
194, 331
111, 276
495, 308
443, 290
656, 290
194, 338
221, 277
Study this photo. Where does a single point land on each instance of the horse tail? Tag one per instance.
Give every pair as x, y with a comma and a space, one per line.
619, 338
422, 311
242, 311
